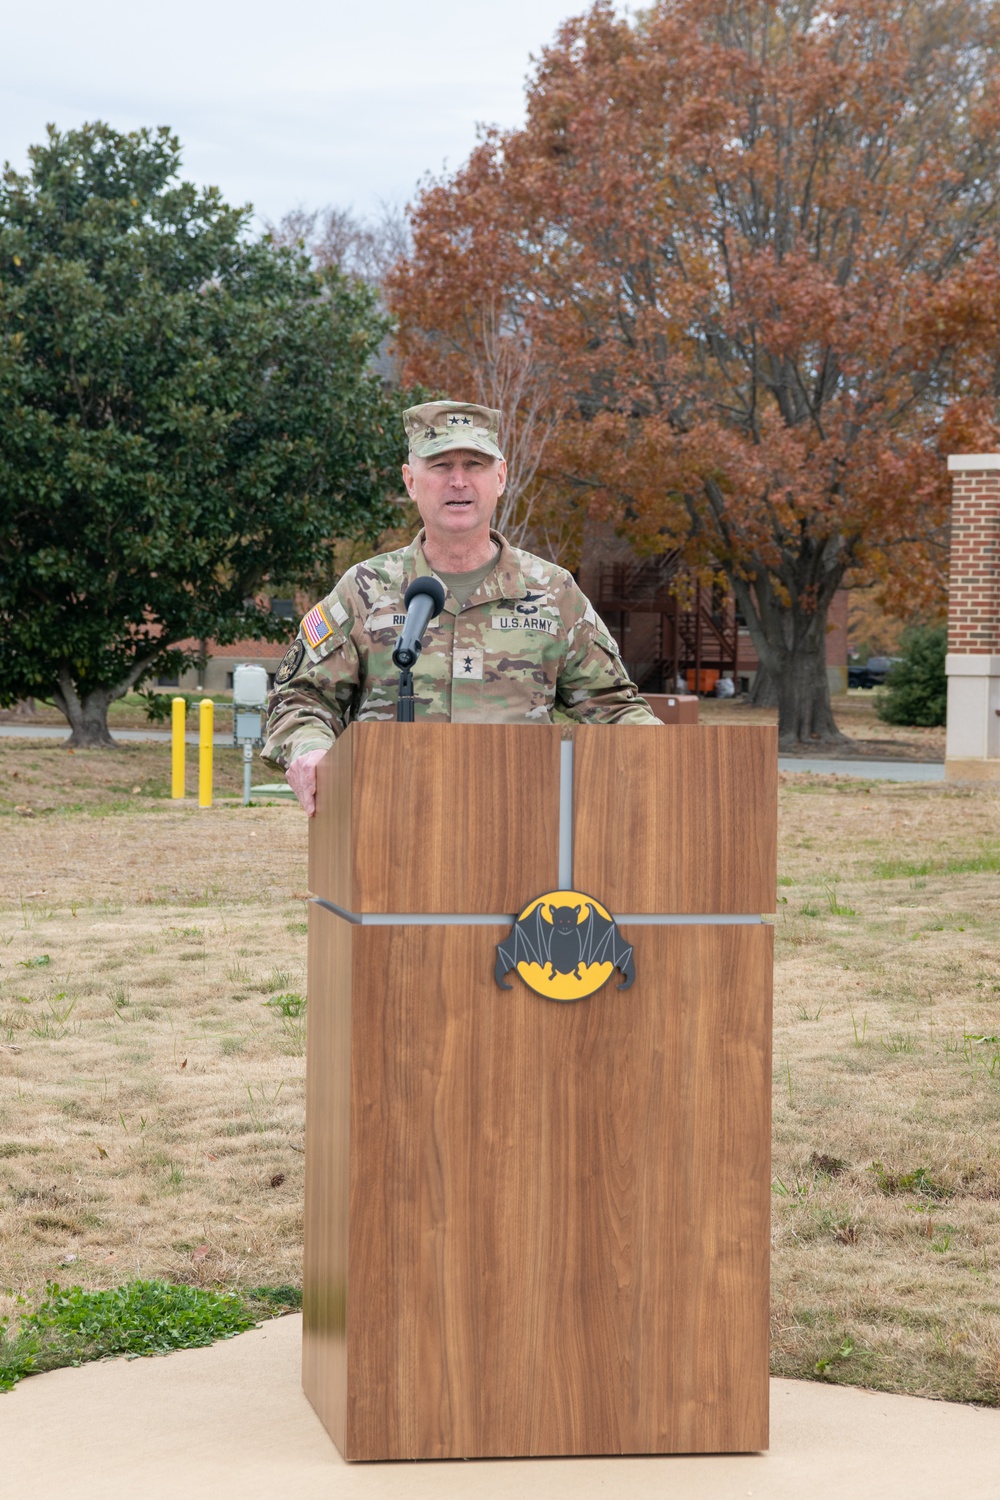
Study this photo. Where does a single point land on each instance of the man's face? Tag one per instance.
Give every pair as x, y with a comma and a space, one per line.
456, 493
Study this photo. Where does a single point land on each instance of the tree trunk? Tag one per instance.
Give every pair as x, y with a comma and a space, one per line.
804, 713
791, 647
88, 712
763, 694
88, 719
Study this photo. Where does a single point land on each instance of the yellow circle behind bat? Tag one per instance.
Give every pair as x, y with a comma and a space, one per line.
587, 977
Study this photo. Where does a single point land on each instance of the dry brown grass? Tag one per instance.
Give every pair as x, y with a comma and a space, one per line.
887, 969
141, 1130
856, 716
148, 1121
42, 778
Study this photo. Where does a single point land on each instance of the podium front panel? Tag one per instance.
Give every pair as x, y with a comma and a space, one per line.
556, 1231
437, 818
682, 820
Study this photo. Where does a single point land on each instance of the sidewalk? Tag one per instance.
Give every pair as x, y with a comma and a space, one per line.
231, 1423
867, 770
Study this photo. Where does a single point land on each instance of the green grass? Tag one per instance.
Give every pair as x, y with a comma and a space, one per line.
73, 1326
290, 1006
919, 1182
274, 1300
987, 862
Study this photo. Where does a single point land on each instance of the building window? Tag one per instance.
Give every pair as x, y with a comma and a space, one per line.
283, 608
165, 680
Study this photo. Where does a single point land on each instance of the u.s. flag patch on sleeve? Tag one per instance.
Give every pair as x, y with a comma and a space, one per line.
316, 627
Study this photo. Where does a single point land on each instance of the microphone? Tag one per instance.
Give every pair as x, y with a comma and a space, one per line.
424, 601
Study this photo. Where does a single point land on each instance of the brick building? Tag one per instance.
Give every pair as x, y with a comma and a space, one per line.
217, 676
973, 661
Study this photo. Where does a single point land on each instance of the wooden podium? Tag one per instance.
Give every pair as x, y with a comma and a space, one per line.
536, 1227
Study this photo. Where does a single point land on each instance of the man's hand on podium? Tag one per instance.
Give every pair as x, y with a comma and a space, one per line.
301, 777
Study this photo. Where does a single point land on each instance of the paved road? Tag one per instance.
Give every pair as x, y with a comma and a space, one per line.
231, 1423
56, 732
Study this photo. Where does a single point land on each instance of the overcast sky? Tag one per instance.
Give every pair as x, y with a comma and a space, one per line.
279, 104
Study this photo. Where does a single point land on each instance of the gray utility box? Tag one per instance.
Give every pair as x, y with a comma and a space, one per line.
249, 702
246, 724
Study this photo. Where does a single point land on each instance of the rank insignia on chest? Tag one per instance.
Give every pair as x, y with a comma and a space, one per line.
467, 664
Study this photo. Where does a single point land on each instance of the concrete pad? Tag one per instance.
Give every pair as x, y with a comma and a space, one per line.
956, 769
231, 1423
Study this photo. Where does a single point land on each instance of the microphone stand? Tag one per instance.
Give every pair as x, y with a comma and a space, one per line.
404, 697
424, 600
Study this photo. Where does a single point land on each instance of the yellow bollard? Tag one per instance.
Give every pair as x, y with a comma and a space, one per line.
178, 715
206, 724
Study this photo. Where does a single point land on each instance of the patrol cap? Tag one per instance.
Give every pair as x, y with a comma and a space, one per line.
438, 426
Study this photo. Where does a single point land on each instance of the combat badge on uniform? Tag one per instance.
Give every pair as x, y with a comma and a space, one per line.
565, 946
290, 662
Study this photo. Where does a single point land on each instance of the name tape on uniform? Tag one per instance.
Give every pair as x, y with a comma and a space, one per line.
524, 622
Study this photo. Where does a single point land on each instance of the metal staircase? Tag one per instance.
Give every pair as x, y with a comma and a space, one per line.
694, 628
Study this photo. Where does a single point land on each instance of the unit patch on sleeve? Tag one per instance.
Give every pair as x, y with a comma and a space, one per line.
290, 662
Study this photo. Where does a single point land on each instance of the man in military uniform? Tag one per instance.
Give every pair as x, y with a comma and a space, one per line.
516, 638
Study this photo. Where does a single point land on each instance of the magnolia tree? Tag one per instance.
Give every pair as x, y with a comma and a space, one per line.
748, 255
188, 415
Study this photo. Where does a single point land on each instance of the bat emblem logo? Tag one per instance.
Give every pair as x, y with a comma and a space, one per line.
565, 946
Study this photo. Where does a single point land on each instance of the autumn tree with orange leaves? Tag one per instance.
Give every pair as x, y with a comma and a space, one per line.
746, 257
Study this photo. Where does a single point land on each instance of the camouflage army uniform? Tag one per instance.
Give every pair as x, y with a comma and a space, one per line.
527, 642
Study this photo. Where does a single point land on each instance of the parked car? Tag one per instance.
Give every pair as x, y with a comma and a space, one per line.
871, 673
